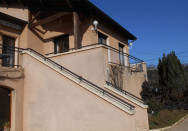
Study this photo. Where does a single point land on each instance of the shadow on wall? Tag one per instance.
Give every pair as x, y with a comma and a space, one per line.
59, 27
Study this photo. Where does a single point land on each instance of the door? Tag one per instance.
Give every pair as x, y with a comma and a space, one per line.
121, 54
8, 51
5, 107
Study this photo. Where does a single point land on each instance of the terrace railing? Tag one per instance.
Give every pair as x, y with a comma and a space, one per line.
121, 58
117, 57
8, 55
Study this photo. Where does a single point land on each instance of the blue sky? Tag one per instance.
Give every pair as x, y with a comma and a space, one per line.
160, 25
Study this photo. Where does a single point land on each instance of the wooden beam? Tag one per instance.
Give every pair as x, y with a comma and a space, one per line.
54, 8
20, 1
69, 4
41, 2
4, 2
29, 16
48, 19
31, 21
76, 30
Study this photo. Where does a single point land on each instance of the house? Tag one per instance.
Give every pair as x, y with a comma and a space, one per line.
66, 66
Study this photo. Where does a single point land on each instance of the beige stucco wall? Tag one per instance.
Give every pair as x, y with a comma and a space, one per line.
18, 11
26, 38
17, 96
132, 81
53, 102
87, 63
141, 119
65, 26
113, 36
34, 41
57, 28
93, 63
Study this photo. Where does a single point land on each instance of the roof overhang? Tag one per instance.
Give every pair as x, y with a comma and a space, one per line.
72, 6
109, 20
11, 21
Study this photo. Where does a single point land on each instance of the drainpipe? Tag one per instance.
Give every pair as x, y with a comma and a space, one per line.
108, 74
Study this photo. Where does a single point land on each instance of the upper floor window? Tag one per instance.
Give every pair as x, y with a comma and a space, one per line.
61, 44
102, 38
121, 54
8, 52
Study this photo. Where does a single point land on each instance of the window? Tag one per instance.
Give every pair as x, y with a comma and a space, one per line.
8, 51
61, 44
121, 54
102, 38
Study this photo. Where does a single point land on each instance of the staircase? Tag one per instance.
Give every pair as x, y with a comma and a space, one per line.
100, 92
98, 113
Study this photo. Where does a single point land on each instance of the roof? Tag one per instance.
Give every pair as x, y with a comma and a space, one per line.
12, 19
110, 20
70, 6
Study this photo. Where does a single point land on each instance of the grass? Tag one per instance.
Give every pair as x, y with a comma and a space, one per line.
166, 118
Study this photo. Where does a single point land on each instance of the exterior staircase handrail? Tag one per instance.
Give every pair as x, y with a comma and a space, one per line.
126, 92
131, 107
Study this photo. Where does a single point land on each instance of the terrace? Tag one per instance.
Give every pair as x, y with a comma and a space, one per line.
9, 56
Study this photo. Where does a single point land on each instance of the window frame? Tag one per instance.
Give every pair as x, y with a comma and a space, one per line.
9, 61
100, 38
121, 54
56, 39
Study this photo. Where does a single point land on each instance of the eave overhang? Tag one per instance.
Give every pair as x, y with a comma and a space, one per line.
72, 6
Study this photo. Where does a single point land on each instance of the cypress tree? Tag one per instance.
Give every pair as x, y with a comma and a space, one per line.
171, 78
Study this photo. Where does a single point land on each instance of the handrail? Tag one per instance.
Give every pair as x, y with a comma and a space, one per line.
132, 69
131, 107
125, 92
117, 51
109, 47
12, 48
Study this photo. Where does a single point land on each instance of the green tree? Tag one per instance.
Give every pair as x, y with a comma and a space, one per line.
167, 86
172, 80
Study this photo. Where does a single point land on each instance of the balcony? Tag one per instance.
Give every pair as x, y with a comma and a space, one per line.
123, 59
115, 57
9, 56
